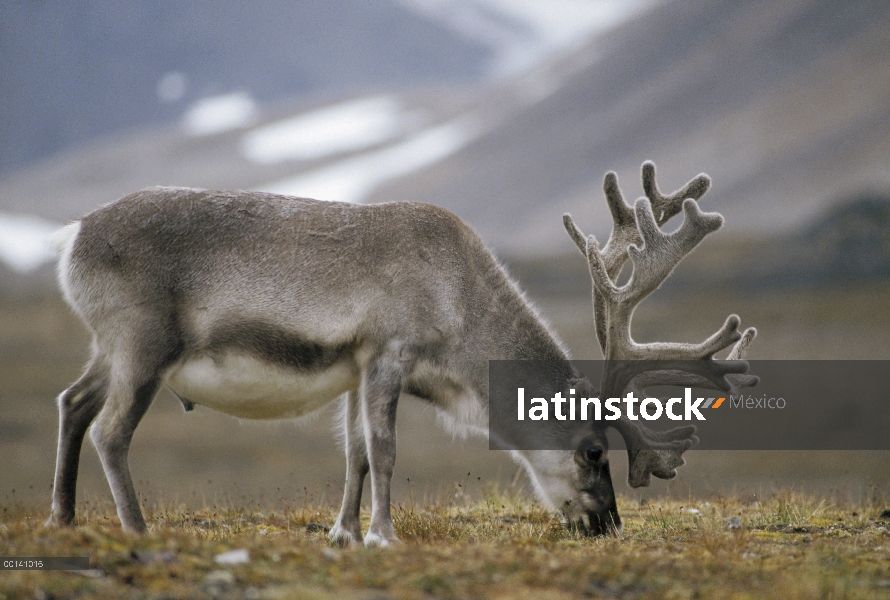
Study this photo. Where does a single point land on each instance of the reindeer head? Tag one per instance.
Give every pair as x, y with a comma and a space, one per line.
578, 483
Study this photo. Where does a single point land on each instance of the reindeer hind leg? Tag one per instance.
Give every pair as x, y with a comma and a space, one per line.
137, 372
78, 406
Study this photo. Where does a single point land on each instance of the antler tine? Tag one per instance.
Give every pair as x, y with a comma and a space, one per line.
614, 254
599, 273
725, 336
666, 207
649, 457
741, 348
677, 378
575, 233
599, 316
624, 228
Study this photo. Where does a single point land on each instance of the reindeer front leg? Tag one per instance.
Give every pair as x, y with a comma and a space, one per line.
380, 388
348, 528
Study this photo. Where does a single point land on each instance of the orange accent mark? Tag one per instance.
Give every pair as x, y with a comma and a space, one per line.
718, 403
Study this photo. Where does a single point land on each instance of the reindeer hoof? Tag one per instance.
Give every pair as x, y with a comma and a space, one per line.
343, 538
58, 522
373, 540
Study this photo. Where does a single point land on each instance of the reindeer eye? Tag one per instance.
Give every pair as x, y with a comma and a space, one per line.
593, 454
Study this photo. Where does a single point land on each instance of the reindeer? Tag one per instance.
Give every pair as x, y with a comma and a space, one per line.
269, 307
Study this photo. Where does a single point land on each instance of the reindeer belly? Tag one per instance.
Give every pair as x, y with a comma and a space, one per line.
251, 388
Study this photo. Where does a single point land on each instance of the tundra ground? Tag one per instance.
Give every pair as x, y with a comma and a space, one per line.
788, 546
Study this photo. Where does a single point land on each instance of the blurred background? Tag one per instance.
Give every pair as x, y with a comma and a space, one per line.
506, 112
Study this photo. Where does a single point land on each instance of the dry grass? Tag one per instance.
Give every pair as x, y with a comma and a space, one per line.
789, 546
472, 545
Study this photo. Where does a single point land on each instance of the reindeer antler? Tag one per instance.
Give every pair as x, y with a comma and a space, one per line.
646, 379
651, 452
654, 254
625, 231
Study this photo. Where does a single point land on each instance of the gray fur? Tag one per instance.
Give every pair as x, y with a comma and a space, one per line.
190, 287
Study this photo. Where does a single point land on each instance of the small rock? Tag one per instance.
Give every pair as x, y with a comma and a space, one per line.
693, 511
601, 588
219, 583
317, 527
253, 593
734, 523
233, 557
750, 555
154, 556
91, 573
331, 554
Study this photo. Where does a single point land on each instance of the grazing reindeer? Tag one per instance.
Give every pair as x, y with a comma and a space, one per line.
268, 307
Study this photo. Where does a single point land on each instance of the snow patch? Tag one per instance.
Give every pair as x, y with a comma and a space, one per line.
350, 126
233, 557
353, 179
220, 113
523, 33
561, 23
25, 241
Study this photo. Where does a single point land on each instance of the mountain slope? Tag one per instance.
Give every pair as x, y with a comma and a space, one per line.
75, 70
784, 104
